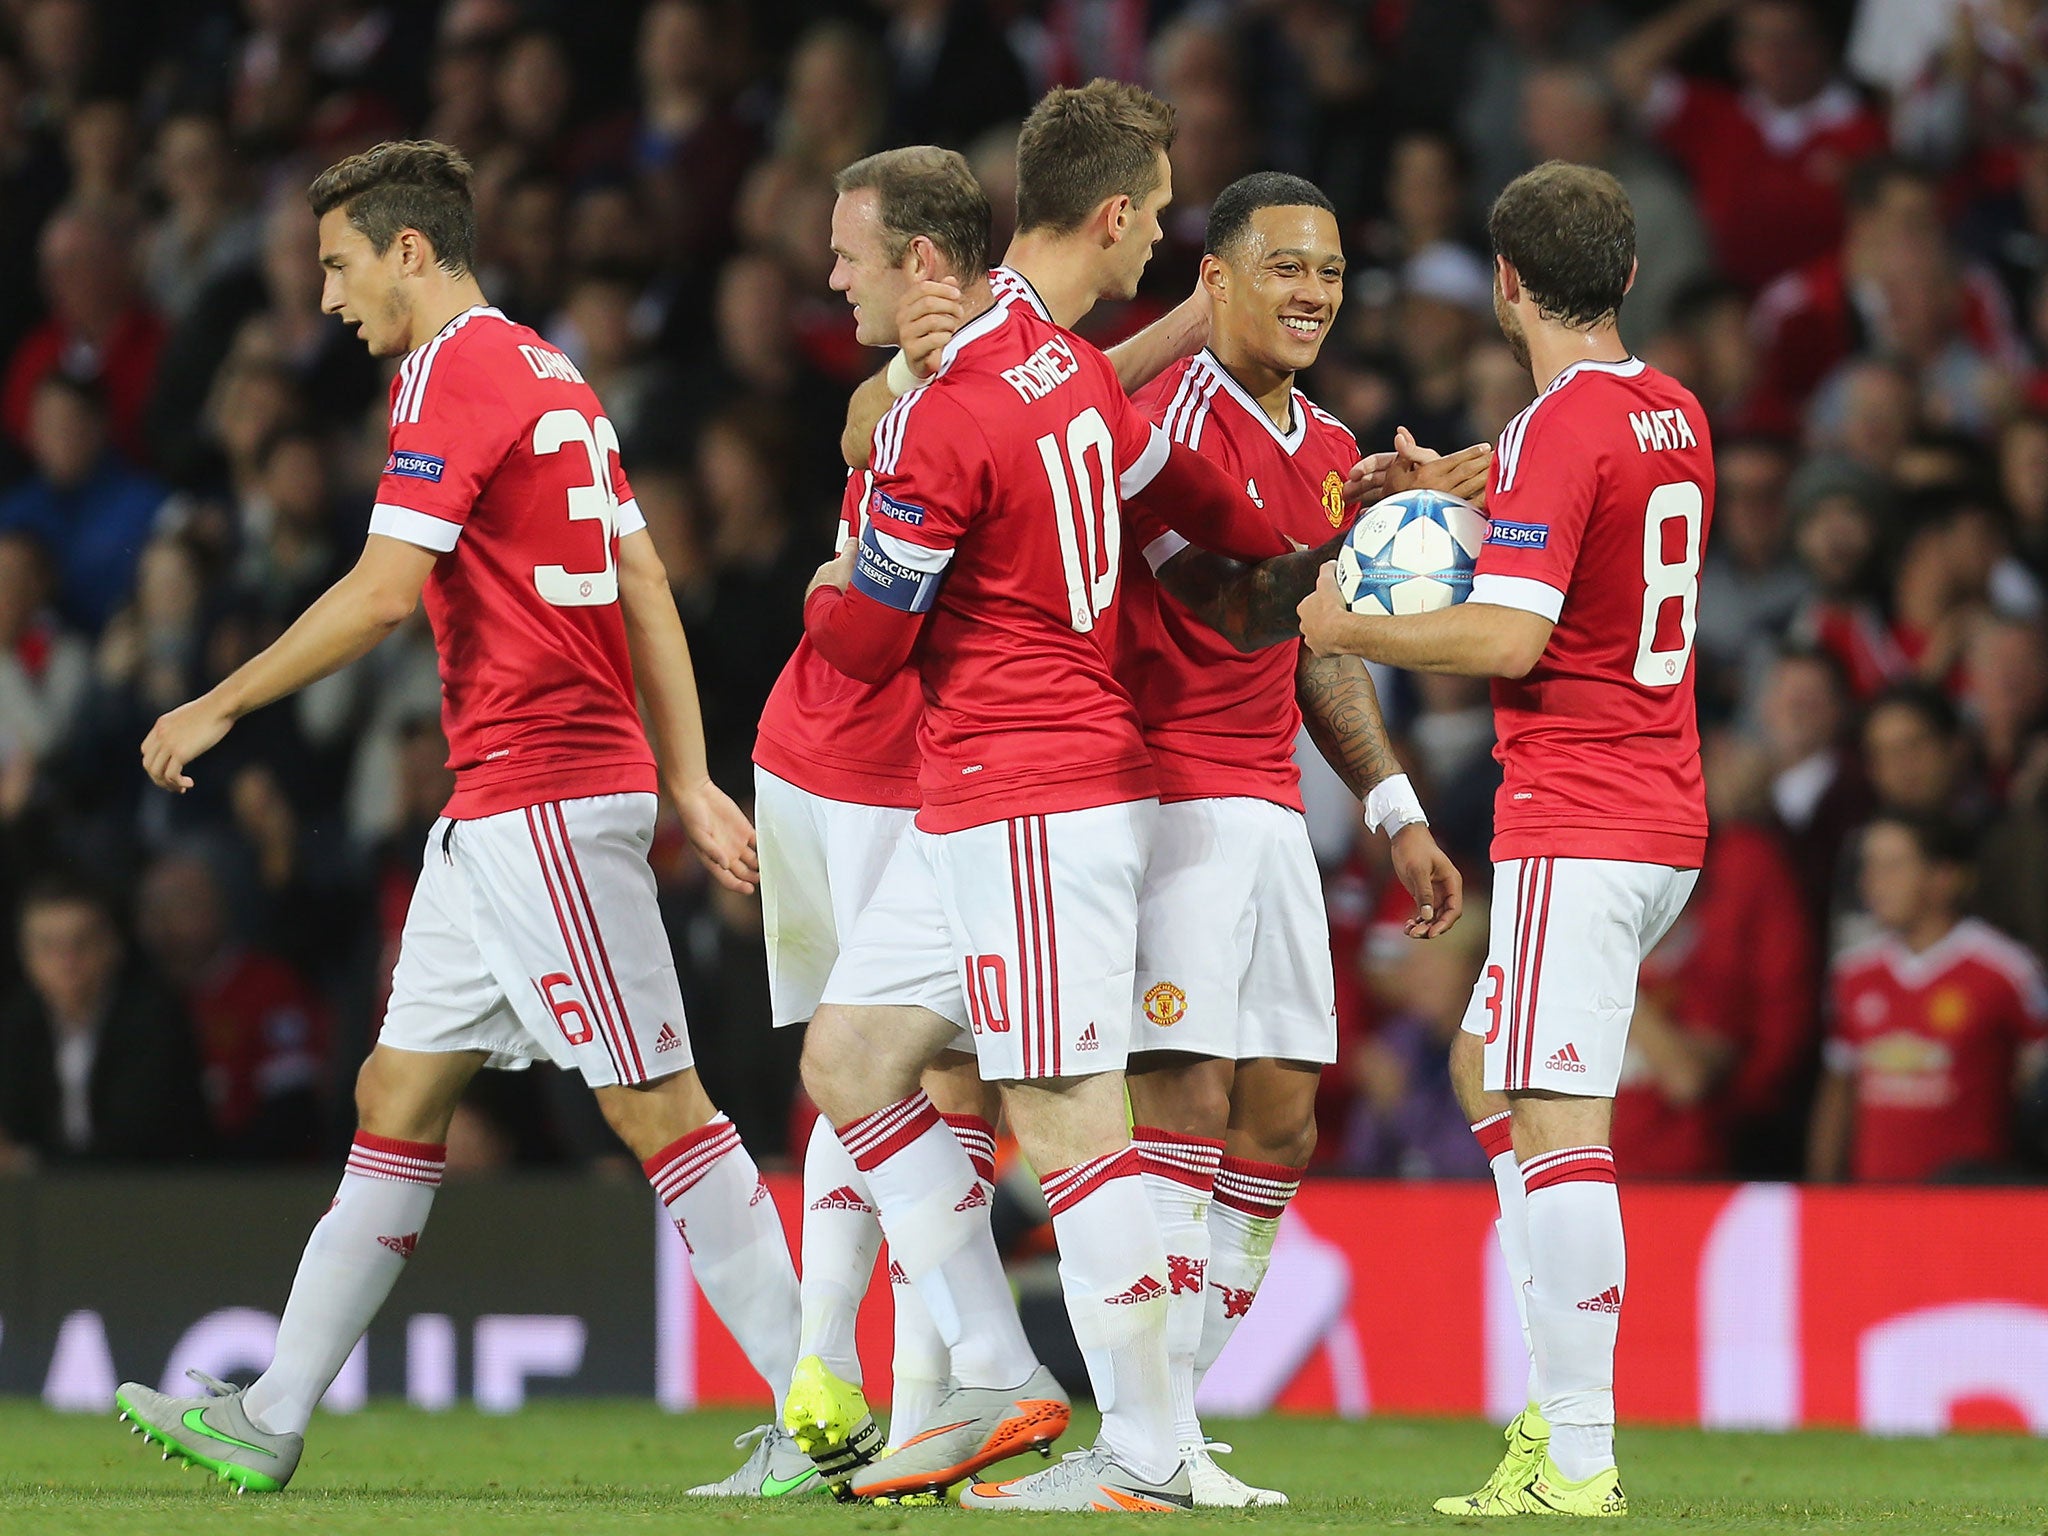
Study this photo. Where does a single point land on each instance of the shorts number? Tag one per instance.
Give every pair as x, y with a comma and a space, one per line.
1089, 547
565, 1009
1498, 977
988, 994
596, 502
1669, 581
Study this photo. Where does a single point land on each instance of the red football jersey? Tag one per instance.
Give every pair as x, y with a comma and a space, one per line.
836, 736
997, 509
502, 461
1221, 722
1931, 1040
1601, 495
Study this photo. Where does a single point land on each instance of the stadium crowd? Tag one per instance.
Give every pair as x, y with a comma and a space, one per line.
1842, 218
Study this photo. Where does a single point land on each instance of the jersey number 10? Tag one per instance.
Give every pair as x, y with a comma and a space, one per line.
596, 502
1090, 530
1660, 663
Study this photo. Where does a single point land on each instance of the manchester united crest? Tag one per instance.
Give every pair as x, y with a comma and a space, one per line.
1165, 1004
1333, 498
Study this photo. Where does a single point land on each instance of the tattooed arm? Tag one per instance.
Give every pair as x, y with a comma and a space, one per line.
1342, 710
1251, 606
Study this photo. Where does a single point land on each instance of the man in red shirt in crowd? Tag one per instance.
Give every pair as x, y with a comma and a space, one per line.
1935, 1023
1766, 156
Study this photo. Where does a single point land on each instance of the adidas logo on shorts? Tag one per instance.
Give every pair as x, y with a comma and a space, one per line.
1087, 1042
667, 1040
1608, 1300
1565, 1060
896, 1274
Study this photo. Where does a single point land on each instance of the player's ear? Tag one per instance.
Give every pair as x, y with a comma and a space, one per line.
1215, 278
921, 258
1634, 267
1115, 217
1507, 278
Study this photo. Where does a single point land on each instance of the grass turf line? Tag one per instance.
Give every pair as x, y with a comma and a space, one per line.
609, 1467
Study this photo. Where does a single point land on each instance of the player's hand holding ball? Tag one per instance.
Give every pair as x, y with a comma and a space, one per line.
187, 732
1323, 614
720, 833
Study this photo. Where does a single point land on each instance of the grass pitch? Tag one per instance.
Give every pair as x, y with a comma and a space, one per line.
601, 1468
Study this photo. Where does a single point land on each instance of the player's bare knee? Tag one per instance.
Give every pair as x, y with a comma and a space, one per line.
1188, 1095
649, 1116
410, 1096
1468, 1079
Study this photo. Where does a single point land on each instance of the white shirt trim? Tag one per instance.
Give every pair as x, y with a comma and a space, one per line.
921, 558
1523, 592
420, 528
631, 520
1164, 548
1508, 456
1292, 438
1024, 290
1145, 468
412, 392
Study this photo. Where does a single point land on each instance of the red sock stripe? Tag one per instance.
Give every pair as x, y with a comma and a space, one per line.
677, 1167
1572, 1165
977, 1139
1069, 1186
1189, 1160
1257, 1189
874, 1139
407, 1162
1496, 1134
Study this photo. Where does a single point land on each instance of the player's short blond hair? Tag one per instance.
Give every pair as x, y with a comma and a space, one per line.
924, 190
1081, 147
404, 184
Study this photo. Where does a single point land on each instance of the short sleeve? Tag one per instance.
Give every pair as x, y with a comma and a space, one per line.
926, 480
630, 518
450, 431
1538, 504
1141, 446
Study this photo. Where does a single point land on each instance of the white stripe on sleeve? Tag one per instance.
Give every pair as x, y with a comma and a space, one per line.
421, 528
1140, 474
631, 520
1523, 592
921, 558
1164, 548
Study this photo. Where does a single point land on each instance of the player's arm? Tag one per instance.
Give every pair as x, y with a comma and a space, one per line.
717, 828
1182, 330
345, 622
1253, 606
1342, 711
1473, 639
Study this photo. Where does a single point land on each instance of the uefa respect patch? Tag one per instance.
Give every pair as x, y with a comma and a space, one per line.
1519, 535
416, 466
885, 505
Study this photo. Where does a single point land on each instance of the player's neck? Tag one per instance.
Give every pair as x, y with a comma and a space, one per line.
1273, 389
1554, 348
1929, 931
1061, 273
449, 297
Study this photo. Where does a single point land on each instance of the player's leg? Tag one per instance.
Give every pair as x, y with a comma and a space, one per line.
567, 919
921, 1362
446, 1019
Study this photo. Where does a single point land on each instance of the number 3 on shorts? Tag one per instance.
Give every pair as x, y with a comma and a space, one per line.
1498, 980
1666, 581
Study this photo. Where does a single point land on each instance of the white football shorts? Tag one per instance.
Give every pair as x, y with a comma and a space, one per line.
1233, 941
821, 862
1025, 931
534, 935
1566, 944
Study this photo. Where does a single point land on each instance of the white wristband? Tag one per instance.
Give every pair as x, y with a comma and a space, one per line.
901, 380
1392, 805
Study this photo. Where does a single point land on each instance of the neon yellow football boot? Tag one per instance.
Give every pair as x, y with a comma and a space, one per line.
1528, 1438
1547, 1492
828, 1417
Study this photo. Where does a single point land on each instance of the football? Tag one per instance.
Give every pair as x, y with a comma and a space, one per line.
1411, 553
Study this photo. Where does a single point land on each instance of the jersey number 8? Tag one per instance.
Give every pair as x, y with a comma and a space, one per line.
1667, 581
596, 502
1089, 546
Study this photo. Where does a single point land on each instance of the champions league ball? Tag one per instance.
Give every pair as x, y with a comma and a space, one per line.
1411, 553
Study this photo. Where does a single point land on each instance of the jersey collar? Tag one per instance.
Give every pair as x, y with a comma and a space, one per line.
1628, 368
474, 311
1297, 431
1007, 277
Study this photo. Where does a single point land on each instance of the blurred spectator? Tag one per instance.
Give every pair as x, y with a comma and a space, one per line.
1915, 754
1524, 35
44, 669
1405, 1121
691, 147
1816, 791
1569, 113
262, 1035
1751, 587
952, 71
1767, 154
289, 554
2007, 701
1933, 1025
1839, 509
206, 230
96, 1061
88, 509
1725, 1011
98, 327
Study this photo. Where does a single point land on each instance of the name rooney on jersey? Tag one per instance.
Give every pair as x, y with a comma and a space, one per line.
1043, 371
1661, 429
